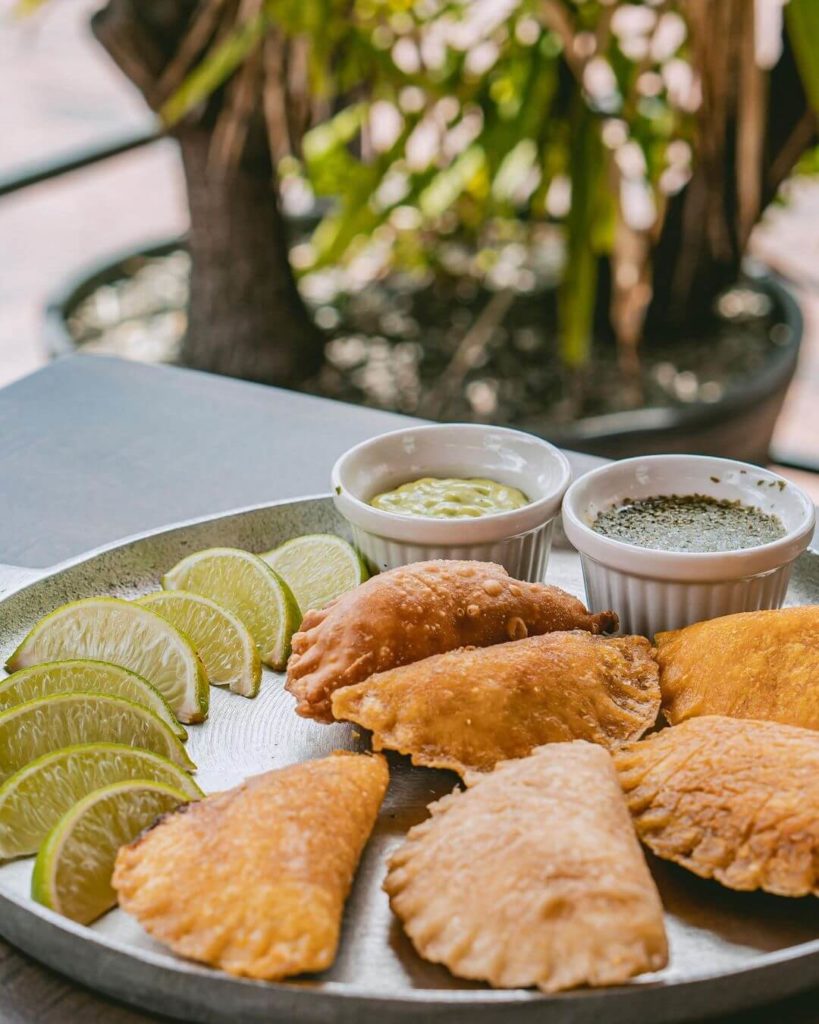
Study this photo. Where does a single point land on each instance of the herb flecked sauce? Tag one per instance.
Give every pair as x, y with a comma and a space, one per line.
690, 522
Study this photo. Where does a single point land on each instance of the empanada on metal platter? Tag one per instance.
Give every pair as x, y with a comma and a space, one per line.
532, 876
416, 611
731, 799
762, 665
470, 709
254, 880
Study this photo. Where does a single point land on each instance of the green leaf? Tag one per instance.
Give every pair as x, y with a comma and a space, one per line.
450, 183
338, 131
802, 20
578, 290
356, 214
215, 68
514, 169
329, 160
536, 82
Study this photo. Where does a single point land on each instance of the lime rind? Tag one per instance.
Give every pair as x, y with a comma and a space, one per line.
34, 798
72, 875
232, 661
123, 633
85, 675
106, 721
247, 586
318, 567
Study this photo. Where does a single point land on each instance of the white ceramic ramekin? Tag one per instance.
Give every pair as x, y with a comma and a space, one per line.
519, 540
654, 590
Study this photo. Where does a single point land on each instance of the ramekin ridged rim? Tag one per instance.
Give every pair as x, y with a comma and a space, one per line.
685, 566
482, 529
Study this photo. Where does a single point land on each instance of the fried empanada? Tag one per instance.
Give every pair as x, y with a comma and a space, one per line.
254, 880
762, 665
469, 709
730, 799
532, 876
418, 610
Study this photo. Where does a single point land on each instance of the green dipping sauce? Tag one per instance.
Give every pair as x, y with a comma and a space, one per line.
691, 522
450, 498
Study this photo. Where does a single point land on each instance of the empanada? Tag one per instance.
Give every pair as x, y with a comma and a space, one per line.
418, 610
532, 876
469, 709
254, 880
762, 665
730, 799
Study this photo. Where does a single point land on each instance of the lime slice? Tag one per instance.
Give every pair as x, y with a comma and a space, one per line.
107, 629
72, 872
221, 639
85, 676
34, 799
317, 568
249, 588
39, 727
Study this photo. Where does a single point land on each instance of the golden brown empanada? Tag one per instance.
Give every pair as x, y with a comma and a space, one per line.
730, 799
469, 709
254, 880
532, 876
418, 610
762, 665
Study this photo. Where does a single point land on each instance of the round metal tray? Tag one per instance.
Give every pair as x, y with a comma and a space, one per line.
728, 950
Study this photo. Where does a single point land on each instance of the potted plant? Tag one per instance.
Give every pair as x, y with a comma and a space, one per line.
534, 210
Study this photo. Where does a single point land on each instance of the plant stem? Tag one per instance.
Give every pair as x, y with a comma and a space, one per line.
578, 290
473, 343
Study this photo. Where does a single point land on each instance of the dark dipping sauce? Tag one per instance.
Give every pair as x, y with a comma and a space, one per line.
690, 522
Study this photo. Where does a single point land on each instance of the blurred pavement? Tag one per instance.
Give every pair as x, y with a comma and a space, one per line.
62, 93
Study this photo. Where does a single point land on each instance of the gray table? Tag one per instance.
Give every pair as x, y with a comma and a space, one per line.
93, 449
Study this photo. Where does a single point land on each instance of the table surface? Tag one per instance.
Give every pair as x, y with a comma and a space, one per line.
94, 449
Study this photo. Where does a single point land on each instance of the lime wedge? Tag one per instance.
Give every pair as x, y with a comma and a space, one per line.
72, 872
39, 727
249, 588
107, 629
85, 676
220, 638
317, 568
34, 799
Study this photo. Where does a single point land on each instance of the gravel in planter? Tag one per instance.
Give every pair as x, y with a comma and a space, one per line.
407, 343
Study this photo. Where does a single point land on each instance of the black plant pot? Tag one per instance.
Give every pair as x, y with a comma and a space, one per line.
57, 337
739, 425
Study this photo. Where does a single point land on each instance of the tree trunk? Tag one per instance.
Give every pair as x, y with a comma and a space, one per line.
688, 274
246, 318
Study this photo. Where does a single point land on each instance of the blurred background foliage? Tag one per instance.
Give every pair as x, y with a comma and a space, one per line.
540, 187
433, 122
430, 121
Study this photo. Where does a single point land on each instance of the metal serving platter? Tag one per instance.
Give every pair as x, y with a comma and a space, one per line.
728, 950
